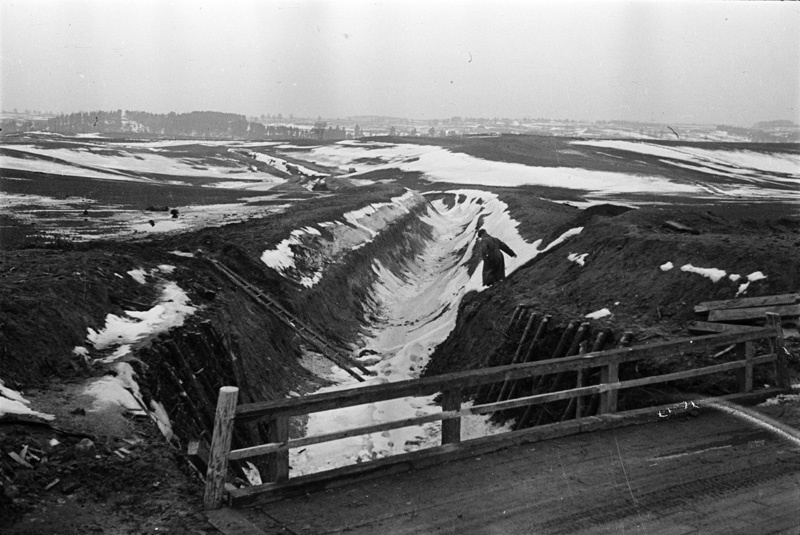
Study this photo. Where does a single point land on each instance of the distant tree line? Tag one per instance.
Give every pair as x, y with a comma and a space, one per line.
193, 124
200, 124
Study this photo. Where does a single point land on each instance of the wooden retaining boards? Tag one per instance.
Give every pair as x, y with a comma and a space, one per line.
746, 302
737, 314
431, 385
302, 485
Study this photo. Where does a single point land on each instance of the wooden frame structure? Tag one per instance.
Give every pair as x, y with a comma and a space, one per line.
451, 386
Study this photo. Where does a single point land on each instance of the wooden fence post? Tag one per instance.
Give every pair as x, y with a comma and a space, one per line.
782, 379
278, 462
451, 429
608, 399
580, 401
745, 351
220, 447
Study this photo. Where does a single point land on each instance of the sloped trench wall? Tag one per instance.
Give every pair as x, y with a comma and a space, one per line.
341, 305
236, 342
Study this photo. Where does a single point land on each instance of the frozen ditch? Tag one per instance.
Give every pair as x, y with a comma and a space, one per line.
417, 304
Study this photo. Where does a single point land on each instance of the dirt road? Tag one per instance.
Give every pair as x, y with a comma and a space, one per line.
710, 474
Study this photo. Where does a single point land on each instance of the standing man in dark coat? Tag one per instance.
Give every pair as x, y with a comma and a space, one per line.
494, 265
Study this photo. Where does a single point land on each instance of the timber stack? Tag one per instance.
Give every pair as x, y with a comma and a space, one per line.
744, 313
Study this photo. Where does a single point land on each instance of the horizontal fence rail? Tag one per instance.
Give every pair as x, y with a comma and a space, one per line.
451, 386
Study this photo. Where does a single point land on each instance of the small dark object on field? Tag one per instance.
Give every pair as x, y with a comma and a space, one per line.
152, 223
174, 213
86, 212
85, 448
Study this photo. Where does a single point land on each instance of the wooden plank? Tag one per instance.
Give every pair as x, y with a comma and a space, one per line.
319, 481
220, 447
782, 378
580, 381
708, 327
608, 399
451, 428
431, 385
737, 314
746, 302
745, 350
264, 449
278, 461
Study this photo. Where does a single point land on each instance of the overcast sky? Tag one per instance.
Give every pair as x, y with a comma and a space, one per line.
668, 61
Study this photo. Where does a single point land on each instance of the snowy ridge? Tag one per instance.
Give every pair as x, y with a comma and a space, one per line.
763, 171
440, 165
113, 163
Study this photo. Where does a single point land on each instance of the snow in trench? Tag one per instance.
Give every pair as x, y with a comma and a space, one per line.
418, 306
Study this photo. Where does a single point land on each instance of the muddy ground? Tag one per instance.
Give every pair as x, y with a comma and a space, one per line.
130, 479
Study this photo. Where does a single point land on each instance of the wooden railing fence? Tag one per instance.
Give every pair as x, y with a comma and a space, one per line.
451, 386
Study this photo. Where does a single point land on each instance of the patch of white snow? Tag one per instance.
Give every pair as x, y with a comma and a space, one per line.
712, 273
597, 314
579, 259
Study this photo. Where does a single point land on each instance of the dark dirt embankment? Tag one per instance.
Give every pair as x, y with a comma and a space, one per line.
622, 273
50, 297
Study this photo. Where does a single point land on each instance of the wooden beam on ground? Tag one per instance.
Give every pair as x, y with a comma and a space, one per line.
738, 314
746, 302
680, 227
706, 327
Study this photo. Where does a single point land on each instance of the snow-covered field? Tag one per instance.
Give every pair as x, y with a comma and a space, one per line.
763, 171
123, 163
